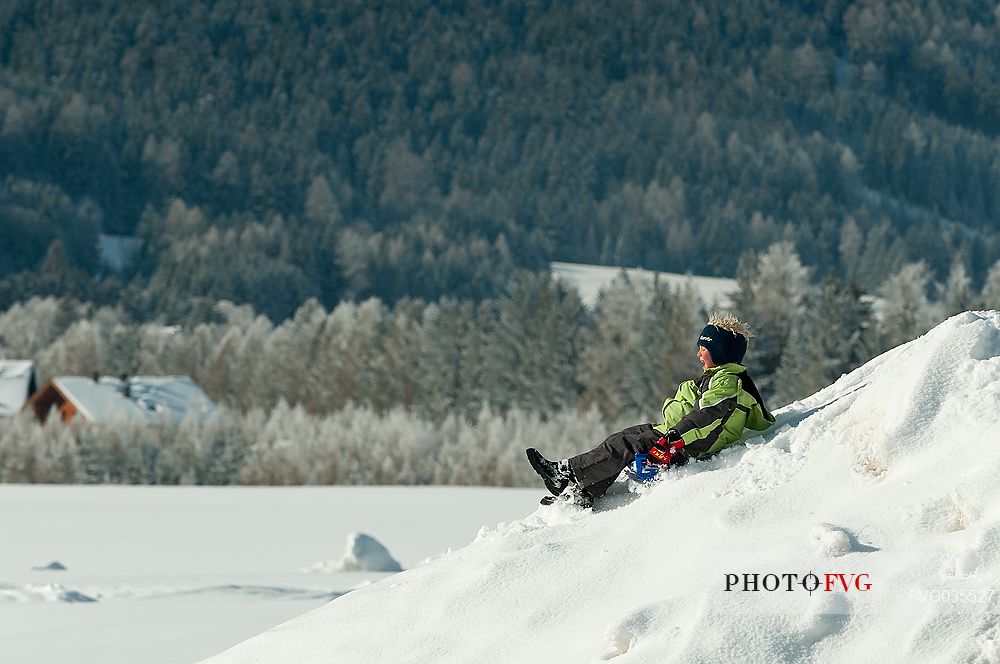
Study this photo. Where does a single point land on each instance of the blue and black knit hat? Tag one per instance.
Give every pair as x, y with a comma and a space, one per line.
725, 338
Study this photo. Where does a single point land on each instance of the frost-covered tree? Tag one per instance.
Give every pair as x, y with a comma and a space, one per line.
347, 349
665, 353
121, 342
250, 380
956, 293
221, 445
535, 345
365, 343
475, 352
92, 448
446, 327
292, 350
219, 378
18, 447
395, 369
56, 453
611, 345
880, 254
835, 335
908, 311
158, 345
772, 292
28, 328
989, 296
321, 205
331, 379
279, 454
404, 451
850, 247
192, 358
124, 455
79, 351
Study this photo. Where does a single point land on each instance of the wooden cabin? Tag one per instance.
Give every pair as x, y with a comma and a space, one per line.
51, 395
145, 399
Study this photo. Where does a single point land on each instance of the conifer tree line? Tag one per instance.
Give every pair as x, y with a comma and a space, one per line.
535, 348
288, 446
415, 392
271, 153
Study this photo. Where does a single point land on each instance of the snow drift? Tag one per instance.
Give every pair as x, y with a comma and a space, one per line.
890, 475
363, 553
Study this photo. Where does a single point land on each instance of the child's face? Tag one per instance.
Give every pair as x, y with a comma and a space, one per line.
705, 358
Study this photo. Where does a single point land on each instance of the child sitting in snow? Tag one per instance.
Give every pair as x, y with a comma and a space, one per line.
706, 415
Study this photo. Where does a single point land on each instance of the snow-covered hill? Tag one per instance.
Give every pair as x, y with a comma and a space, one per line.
891, 475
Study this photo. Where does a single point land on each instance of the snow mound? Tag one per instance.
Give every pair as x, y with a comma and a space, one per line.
880, 488
54, 566
364, 553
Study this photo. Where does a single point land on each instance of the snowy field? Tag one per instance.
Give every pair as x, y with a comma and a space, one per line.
182, 573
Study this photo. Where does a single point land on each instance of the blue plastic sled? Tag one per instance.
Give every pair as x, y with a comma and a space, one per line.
642, 469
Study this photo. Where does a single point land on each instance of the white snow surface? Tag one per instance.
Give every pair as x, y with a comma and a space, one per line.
176, 574
588, 280
892, 472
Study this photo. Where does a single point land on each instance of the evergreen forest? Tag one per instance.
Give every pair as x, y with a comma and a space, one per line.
342, 213
267, 153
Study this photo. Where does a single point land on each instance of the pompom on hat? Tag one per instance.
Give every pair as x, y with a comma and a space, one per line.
725, 337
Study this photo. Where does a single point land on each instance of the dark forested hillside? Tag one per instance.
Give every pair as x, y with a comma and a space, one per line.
272, 152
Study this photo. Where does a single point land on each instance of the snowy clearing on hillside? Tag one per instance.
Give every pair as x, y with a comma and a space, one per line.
588, 280
175, 574
863, 527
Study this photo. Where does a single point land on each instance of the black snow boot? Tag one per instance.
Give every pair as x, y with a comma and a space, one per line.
555, 475
573, 495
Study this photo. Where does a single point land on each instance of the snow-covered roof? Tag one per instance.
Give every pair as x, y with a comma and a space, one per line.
15, 381
150, 398
590, 279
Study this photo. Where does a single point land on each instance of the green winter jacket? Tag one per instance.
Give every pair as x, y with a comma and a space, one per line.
711, 412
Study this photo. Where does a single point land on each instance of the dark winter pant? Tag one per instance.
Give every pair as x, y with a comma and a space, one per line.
597, 469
